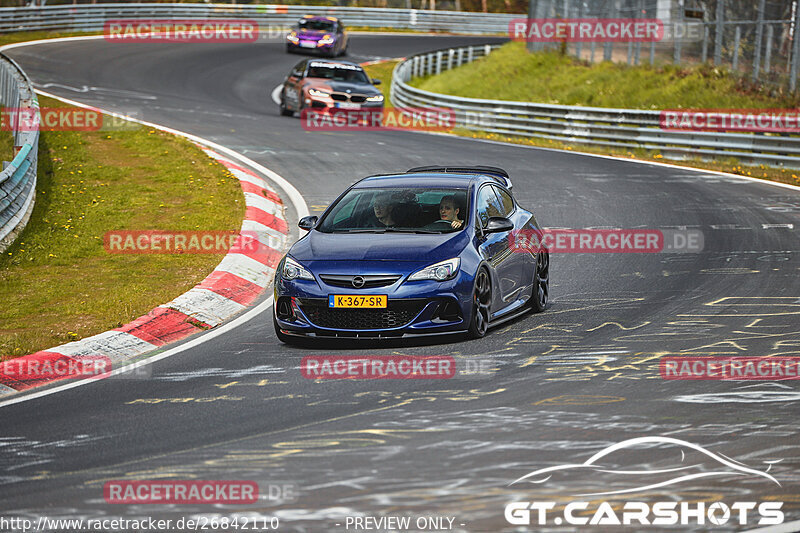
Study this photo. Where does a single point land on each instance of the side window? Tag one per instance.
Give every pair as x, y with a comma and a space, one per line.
507, 201
340, 27
488, 205
299, 69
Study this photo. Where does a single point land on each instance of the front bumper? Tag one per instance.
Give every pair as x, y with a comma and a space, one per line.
414, 308
323, 49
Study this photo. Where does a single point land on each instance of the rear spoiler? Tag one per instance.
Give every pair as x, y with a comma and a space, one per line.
500, 175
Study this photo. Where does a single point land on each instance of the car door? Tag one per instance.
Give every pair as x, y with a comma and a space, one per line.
342, 37
494, 248
292, 91
520, 265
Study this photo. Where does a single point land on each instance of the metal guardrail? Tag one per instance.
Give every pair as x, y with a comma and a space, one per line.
18, 179
619, 128
92, 17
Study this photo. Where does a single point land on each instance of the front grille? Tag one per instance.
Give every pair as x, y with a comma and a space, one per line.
370, 282
398, 313
342, 97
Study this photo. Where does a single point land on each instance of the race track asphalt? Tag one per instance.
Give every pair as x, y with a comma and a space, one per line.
567, 383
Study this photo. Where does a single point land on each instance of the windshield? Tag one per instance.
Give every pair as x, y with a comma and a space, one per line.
337, 72
317, 25
384, 210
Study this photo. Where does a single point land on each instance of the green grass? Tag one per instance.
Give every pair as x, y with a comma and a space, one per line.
57, 282
511, 73
383, 71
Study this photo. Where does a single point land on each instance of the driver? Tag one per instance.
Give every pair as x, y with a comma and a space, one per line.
383, 207
449, 212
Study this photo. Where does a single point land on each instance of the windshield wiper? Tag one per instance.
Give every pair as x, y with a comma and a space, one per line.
399, 230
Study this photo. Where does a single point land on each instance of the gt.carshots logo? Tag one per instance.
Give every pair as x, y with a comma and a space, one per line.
611, 469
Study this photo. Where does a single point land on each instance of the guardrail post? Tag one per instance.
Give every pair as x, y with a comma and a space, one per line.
429, 60
450, 55
438, 62
718, 33
737, 37
608, 47
705, 43
795, 51
759, 36
678, 41
470, 54
487, 49
768, 51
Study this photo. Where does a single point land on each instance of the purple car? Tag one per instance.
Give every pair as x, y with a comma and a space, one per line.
324, 35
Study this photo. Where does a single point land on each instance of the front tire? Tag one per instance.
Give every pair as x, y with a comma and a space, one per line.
540, 295
285, 111
481, 304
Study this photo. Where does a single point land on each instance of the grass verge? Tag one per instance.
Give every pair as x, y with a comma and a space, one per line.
57, 282
553, 78
383, 71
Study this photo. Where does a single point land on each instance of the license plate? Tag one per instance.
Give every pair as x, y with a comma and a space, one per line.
355, 301
308, 44
348, 105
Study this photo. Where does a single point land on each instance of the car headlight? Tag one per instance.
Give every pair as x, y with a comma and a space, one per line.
294, 270
440, 271
292, 37
326, 39
316, 92
376, 98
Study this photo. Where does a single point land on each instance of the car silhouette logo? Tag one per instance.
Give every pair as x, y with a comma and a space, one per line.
358, 282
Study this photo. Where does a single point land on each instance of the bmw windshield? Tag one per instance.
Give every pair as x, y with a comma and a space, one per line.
393, 210
337, 72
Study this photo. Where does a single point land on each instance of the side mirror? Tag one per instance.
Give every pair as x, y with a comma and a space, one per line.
376, 81
307, 223
498, 225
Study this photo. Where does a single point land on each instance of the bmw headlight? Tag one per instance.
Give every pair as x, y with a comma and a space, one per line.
440, 271
376, 98
316, 92
294, 270
292, 37
326, 39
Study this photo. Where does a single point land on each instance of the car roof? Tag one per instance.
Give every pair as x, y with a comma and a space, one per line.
429, 180
319, 17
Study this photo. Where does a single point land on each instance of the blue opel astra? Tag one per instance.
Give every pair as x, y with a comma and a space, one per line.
429, 251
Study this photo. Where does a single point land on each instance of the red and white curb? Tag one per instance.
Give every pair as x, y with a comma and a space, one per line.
233, 286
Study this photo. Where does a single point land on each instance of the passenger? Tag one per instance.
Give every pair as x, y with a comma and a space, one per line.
449, 212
